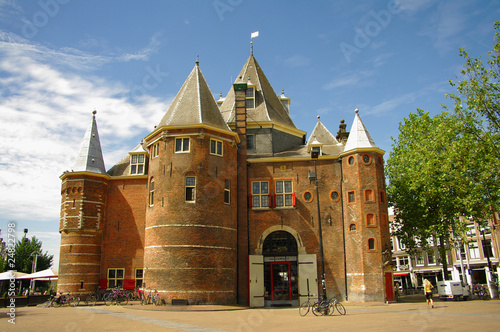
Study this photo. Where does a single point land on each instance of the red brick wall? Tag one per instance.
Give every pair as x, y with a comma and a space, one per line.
123, 235
82, 216
189, 253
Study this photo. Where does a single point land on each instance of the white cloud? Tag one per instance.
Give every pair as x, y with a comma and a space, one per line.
350, 78
45, 110
296, 61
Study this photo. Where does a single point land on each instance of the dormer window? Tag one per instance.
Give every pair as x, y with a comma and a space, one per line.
250, 97
137, 164
317, 149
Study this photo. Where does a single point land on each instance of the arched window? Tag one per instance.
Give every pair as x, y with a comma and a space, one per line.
371, 244
280, 243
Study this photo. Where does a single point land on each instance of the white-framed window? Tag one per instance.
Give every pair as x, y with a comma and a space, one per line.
155, 150
260, 194
115, 278
227, 191
284, 193
471, 230
216, 147
403, 263
419, 259
151, 192
137, 164
190, 189
431, 257
473, 250
250, 97
182, 144
401, 245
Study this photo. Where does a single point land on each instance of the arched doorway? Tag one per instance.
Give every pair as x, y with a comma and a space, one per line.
280, 252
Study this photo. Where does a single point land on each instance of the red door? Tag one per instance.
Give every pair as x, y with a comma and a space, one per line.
389, 286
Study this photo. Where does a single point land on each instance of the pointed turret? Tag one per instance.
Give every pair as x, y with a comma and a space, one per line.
194, 104
89, 158
359, 138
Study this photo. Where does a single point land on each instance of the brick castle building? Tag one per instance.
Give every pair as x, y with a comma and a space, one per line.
219, 204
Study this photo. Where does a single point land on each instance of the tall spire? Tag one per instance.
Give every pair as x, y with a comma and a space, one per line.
89, 158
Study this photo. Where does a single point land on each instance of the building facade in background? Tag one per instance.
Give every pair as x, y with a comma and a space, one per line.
219, 204
476, 255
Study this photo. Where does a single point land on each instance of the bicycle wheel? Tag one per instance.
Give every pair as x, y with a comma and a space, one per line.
109, 299
304, 308
91, 300
340, 308
74, 301
316, 309
122, 299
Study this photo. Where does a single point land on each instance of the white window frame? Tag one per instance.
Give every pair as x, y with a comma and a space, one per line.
182, 148
155, 150
250, 96
136, 164
419, 259
216, 147
431, 253
258, 196
284, 195
191, 188
151, 191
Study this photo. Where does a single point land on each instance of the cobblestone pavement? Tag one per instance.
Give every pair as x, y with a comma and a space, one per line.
409, 316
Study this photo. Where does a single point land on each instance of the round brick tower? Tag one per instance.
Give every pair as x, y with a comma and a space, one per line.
190, 248
83, 195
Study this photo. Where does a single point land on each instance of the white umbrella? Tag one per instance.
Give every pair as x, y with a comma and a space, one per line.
41, 275
11, 274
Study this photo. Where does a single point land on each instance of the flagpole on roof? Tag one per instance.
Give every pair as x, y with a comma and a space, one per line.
252, 36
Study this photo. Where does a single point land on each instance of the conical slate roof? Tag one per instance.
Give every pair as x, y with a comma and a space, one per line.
359, 136
268, 105
321, 135
89, 158
194, 104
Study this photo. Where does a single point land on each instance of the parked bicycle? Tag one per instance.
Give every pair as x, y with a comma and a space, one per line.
480, 292
338, 306
306, 306
152, 298
62, 299
117, 296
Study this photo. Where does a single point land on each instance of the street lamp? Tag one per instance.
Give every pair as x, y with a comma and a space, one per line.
314, 155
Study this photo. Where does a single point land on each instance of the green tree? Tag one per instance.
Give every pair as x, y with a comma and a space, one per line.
447, 166
24, 255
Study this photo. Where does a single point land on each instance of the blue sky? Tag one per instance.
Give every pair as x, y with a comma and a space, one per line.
61, 59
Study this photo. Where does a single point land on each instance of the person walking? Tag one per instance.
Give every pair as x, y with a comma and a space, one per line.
428, 292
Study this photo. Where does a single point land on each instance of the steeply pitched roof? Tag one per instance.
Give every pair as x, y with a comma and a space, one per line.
89, 158
321, 135
359, 136
194, 104
268, 105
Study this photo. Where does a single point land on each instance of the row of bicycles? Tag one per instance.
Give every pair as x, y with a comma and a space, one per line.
110, 297
325, 307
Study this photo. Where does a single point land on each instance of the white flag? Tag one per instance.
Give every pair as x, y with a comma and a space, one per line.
254, 34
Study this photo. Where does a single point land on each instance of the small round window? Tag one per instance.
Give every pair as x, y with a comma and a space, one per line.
334, 195
367, 159
308, 196
351, 160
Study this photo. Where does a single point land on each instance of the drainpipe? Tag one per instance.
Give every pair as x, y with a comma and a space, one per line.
343, 226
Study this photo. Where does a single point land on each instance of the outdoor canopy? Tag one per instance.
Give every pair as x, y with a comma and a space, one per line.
48, 274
